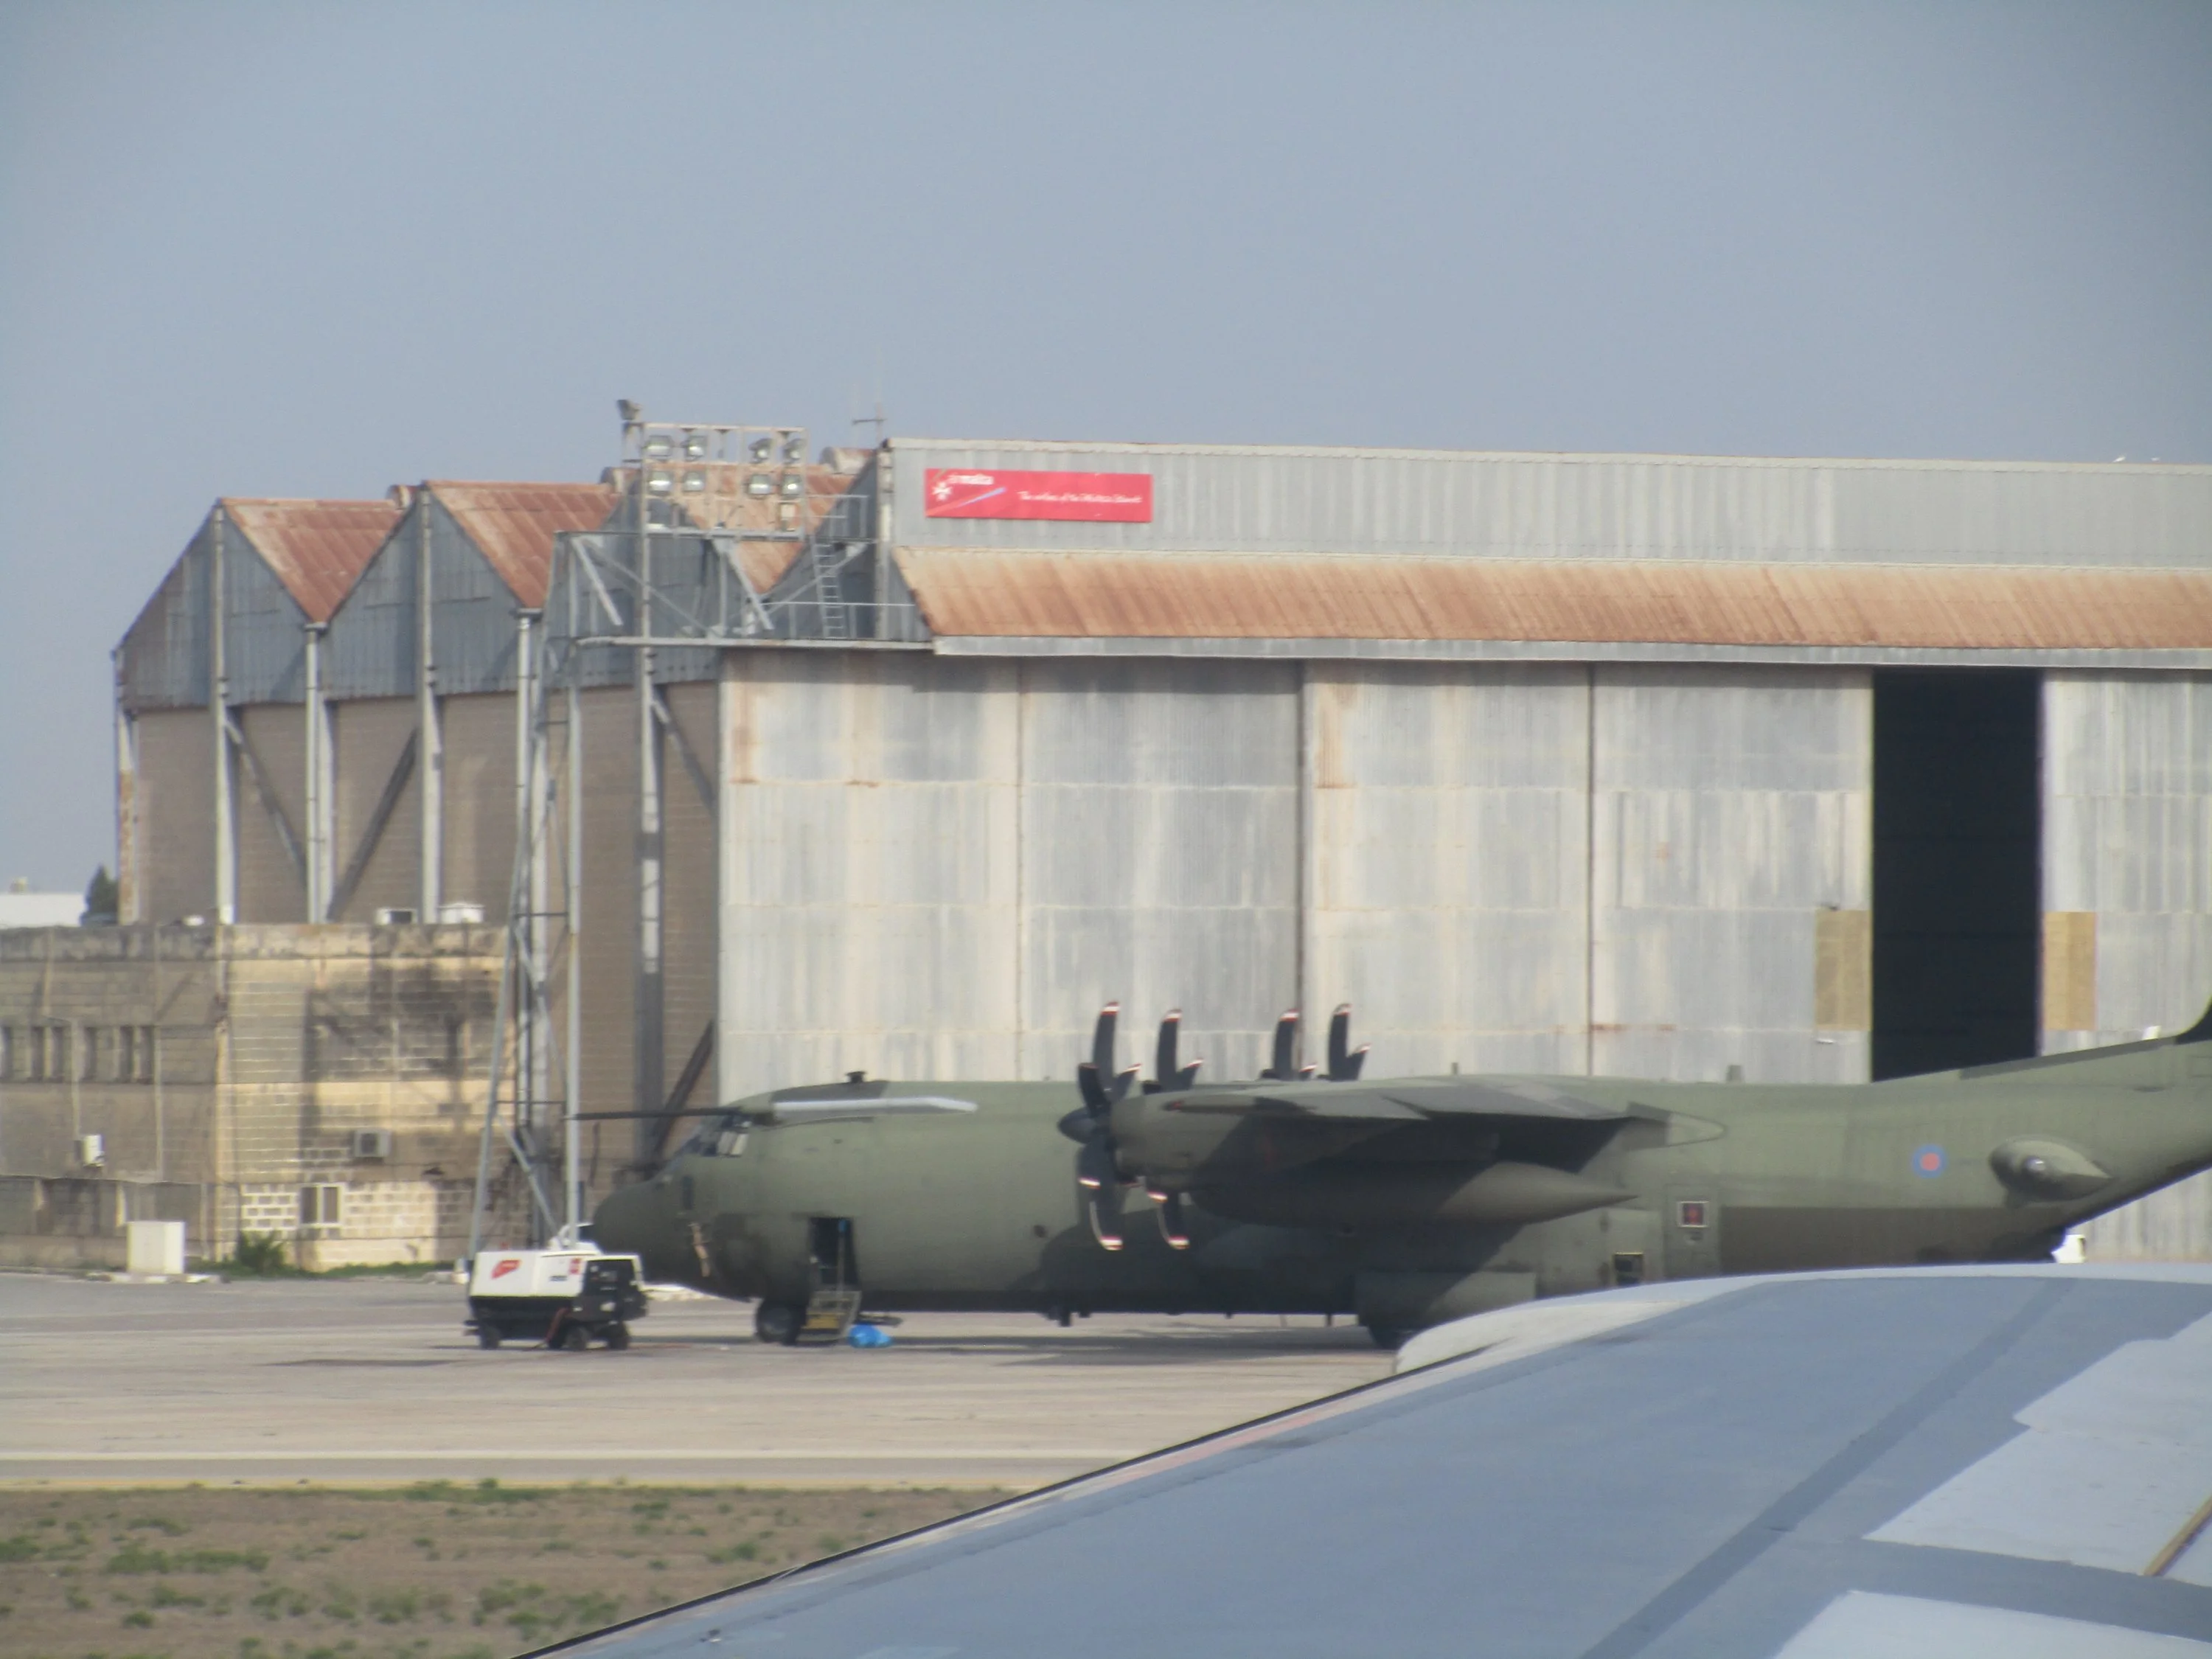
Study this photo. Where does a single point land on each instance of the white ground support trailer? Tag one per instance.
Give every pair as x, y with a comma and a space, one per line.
564, 1298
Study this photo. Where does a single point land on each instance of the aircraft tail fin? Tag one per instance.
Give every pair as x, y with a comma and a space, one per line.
2200, 1032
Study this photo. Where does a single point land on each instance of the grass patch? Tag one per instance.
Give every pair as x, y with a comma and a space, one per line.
137, 1558
437, 1570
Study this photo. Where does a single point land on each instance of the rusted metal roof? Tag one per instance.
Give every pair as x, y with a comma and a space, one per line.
316, 549
513, 524
1375, 597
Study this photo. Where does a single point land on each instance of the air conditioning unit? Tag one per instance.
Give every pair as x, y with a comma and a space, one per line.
372, 1143
91, 1151
461, 911
395, 915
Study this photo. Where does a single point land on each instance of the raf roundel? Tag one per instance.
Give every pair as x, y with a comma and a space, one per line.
1927, 1162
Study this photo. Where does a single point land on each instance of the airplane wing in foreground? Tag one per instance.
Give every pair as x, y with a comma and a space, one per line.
1913, 1463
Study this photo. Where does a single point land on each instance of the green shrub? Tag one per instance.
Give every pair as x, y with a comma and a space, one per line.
262, 1253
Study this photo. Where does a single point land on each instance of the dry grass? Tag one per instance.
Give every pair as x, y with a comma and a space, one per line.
430, 1571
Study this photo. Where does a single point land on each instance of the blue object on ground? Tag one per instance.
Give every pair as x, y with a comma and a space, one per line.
868, 1336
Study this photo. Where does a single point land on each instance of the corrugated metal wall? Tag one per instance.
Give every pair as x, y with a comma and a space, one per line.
165, 655
1159, 831
2127, 845
1616, 506
610, 914
1449, 847
1733, 809
2127, 881
689, 863
370, 649
938, 867
868, 868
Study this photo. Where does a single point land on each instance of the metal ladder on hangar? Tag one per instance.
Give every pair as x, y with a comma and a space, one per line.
829, 560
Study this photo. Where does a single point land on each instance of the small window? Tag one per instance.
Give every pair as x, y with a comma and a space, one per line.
7, 1052
65, 1056
321, 1206
1691, 1214
146, 1054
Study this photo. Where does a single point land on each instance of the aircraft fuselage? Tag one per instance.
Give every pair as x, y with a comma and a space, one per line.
980, 1208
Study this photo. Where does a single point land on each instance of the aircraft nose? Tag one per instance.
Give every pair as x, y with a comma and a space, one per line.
625, 1221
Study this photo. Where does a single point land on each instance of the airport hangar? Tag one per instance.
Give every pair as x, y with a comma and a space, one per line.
1680, 766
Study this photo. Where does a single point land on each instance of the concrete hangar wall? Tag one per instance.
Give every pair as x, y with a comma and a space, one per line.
1675, 767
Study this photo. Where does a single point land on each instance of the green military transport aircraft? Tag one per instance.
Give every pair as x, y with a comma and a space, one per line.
1403, 1201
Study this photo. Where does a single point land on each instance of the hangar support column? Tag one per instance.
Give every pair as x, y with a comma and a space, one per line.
317, 765
128, 882
430, 746
647, 1034
226, 836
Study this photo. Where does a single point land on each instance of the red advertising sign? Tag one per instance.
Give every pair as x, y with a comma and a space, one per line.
956, 492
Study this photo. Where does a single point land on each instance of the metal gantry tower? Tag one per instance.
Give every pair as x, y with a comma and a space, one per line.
724, 538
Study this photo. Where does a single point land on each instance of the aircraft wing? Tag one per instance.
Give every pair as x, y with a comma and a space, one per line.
1408, 1100
1918, 1463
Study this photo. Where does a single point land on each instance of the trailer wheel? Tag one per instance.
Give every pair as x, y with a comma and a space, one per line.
618, 1336
776, 1321
487, 1336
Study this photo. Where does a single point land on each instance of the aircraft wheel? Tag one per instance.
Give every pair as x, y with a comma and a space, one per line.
487, 1336
618, 1336
776, 1321
1389, 1338
576, 1339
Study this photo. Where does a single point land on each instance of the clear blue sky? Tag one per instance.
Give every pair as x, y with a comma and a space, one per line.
316, 249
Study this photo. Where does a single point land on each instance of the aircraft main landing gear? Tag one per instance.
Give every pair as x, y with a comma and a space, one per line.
778, 1322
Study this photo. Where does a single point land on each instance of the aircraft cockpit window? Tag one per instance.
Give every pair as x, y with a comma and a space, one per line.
723, 1137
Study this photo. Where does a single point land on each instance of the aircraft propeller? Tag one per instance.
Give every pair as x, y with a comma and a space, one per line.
1166, 1074
1097, 1170
1344, 1060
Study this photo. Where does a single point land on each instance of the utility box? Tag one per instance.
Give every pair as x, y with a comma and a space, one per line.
154, 1248
564, 1298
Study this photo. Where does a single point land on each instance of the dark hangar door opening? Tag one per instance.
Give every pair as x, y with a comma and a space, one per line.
1957, 845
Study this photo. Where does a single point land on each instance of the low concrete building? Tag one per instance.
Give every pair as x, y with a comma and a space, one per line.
325, 1085
22, 907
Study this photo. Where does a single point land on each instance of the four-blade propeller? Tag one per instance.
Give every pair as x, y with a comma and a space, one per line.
1098, 1168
